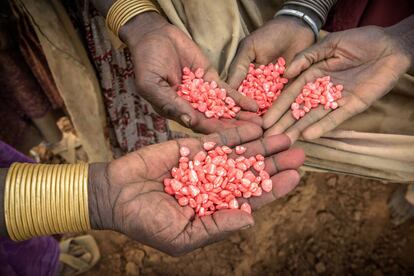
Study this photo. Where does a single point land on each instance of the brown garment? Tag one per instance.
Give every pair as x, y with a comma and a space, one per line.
32, 51
72, 73
349, 14
21, 97
379, 143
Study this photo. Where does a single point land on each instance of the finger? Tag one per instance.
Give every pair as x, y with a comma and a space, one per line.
319, 51
244, 102
280, 126
286, 160
234, 136
208, 126
310, 118
283, 183
266, 146
288, 96
166, 102
250, 117
240, 64
209, 229
329, 122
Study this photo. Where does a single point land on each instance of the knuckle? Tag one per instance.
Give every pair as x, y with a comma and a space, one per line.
245, 42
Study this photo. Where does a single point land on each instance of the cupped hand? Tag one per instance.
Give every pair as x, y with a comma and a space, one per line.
159, 52
367, 61
130, 198
283, 36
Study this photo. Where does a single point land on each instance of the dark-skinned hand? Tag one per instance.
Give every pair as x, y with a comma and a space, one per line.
159, 52
129, 196
367, 61
283, 36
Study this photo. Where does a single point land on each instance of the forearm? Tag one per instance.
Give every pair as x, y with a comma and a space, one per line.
53, 199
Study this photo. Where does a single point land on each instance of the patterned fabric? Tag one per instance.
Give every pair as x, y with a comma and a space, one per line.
131, 118
38, 256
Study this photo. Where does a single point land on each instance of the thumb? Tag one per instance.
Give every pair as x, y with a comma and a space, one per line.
240, 64
245, 103
230, 220
319, 51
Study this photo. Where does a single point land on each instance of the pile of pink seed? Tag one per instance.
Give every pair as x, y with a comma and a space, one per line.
264, 84
320, 92
213, 181
205, 96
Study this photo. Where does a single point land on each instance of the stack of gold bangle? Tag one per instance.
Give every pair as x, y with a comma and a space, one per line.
123, 10
46, 199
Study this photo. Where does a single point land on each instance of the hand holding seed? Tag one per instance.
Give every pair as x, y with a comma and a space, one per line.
141, 209
363, 64
159, 55
283, 36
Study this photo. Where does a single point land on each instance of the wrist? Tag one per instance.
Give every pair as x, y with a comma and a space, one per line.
300, 17
300, 28
100, 207
403, 34
140, 25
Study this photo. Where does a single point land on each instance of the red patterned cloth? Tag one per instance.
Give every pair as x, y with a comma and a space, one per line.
132, 119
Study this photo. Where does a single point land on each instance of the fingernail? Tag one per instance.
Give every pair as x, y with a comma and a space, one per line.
246, 227
186, 119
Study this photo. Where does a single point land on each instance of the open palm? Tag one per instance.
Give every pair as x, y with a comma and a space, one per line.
366, 61
159, 55
142, 210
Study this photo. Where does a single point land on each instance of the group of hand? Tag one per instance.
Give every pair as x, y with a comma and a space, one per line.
366, 61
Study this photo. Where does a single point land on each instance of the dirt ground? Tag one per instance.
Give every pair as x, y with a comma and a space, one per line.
336, 225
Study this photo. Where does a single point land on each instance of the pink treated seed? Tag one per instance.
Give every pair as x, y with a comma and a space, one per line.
184, 151
267, 185
233, 204
209, 145
320, 92
259, 166
240, 149
212, 180
246, 207
183, 201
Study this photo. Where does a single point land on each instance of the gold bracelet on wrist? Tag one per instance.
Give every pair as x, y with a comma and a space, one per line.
124, 10
46, 199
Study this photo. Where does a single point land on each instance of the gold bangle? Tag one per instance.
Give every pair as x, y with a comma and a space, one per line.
71, 213
34, 202
127, 14
9, 215
54, 198
86, 196
15, 200
62, 188
82, 192
27, 214
124, 10
46, 199
75, 198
